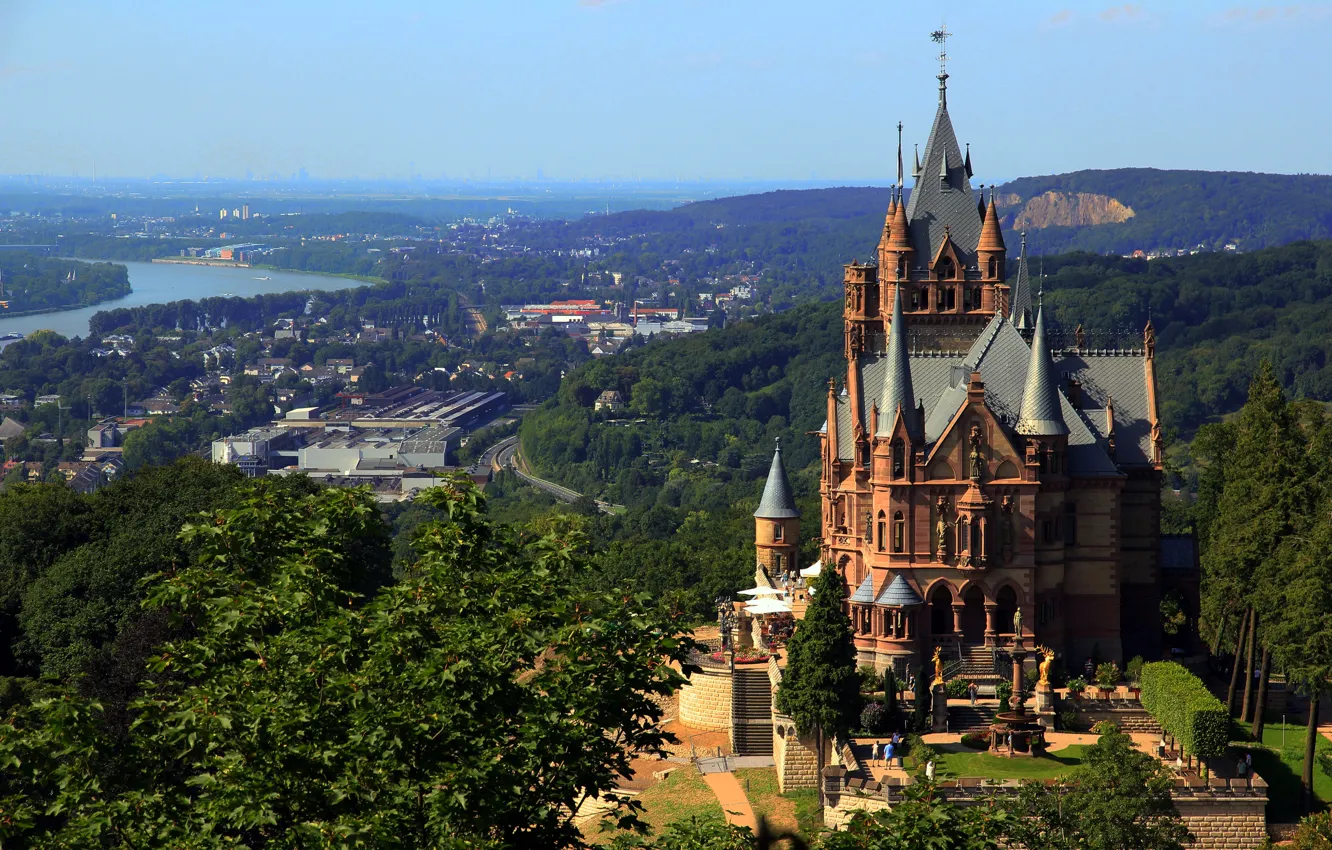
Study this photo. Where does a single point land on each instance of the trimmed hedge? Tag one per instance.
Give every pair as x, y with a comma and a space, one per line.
1184, 707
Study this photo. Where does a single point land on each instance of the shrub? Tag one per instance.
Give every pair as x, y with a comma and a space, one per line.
976, 741
1030, 679
1184, 707
1133, 669
869, 680
1077, 685
874, 718
1107, 675
1314, 832
957, 688
1105, 727
1067, 720
1003, 691
918, 753
890, 691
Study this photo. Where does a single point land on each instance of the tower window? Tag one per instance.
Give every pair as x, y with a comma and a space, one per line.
993, 267
1070, 524
777, 531
899, 458
883, 531
947, 271
1047, 531
899, 533
902, 268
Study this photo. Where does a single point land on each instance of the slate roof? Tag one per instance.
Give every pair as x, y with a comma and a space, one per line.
1042, 414
899, 593
9, 428
942, 197
865, 593
1019, 299
1002, 357
777, 501
897, 388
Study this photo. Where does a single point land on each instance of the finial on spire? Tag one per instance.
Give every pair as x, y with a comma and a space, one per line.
899, 153
940, 37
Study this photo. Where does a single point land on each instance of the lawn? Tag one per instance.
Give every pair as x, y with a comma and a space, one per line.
1282, 767
680, 796
794, 810
955, 765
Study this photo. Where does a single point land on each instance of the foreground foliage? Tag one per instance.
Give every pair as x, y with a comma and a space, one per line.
477, 702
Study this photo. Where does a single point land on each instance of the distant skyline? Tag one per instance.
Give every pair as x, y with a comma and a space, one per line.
722, 90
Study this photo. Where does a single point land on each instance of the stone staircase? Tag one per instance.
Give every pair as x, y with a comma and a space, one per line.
751, 711
965, 718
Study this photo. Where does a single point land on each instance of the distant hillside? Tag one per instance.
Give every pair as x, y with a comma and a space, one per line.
1115, 211
1128, 209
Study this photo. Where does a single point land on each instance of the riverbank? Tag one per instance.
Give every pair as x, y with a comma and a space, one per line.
344, 276
199, 261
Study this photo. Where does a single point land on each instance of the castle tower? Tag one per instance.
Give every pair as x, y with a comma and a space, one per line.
776, 527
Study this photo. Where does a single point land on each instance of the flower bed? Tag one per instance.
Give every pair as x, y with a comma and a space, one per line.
742, 657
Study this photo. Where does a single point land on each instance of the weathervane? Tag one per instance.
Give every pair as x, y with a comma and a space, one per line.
940, 37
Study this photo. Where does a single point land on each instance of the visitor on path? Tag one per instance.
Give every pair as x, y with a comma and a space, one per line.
874, 753
1248, 760
972, 690
1240, 768
897, 738
929, 770
888, 753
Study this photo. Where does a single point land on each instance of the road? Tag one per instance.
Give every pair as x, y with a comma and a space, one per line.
502, 456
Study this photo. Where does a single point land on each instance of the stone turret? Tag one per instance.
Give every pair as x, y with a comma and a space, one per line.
776, 526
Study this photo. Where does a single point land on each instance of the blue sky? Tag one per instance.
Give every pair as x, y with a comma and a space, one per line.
654, 89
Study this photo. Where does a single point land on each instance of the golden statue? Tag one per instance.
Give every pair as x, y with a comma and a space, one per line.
938, 667
1046, 664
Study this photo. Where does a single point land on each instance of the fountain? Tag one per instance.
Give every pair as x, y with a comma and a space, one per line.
1015, 732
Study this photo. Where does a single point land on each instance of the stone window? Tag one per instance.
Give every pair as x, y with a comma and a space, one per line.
777, 532
1047, 531
899, 458
899, 533
1070, 524
993, 268
882, 530
946, 270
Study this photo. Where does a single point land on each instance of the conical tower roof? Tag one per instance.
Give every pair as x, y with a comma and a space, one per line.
1042, 414
942, 199
897, 391
778, 501
992, 235
899, 594
1019, 301
900, 237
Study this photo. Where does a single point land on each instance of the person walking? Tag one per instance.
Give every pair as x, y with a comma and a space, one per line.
929, 770
972, 690
874, 753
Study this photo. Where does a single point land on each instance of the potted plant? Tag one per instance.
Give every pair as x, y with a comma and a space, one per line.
1107, 677
1133, 672
1076, 686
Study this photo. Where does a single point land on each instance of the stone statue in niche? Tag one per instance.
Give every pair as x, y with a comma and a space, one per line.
977, 460
941, 528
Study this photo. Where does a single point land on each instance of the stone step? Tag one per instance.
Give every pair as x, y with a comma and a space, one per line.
965, 718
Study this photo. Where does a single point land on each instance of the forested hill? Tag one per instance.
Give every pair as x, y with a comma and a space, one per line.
1116, 211
705, 409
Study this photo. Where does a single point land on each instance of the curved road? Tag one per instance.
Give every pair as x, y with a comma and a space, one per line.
502, 456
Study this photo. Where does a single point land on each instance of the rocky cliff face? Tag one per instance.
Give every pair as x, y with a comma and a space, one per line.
1066, 209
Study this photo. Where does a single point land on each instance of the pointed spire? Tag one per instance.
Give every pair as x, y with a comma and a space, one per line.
915, 172
777, 501
966, 163
1019, 302
897, 392
980, 205
1042, 413
992, 235
899, 153
900, 239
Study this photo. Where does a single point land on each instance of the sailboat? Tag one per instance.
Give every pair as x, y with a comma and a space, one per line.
265, 277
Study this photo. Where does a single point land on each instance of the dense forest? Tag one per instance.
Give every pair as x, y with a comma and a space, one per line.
33, 283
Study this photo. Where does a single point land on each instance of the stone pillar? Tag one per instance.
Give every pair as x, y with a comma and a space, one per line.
991, 634
939, 708
958, 608
1045, 705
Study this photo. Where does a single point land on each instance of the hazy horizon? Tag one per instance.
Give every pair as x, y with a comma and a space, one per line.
563, 91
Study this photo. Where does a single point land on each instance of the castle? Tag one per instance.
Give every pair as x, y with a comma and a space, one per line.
971, 467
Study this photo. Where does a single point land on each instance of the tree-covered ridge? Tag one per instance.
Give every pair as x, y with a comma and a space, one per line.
30, 282
1182, 209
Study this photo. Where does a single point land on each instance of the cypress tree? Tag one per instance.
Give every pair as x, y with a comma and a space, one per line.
820, 688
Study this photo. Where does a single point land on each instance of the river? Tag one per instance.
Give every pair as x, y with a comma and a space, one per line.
159, 283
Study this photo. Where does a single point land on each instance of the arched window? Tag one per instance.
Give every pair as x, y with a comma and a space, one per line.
994, 267
902, 267
946, 269
883, 530
899, 533
899, 458
963, 535
777, 532
1070, 524
976, 546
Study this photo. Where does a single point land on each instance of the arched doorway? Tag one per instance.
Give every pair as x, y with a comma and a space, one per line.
973, 616
1008, 604
941, 610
